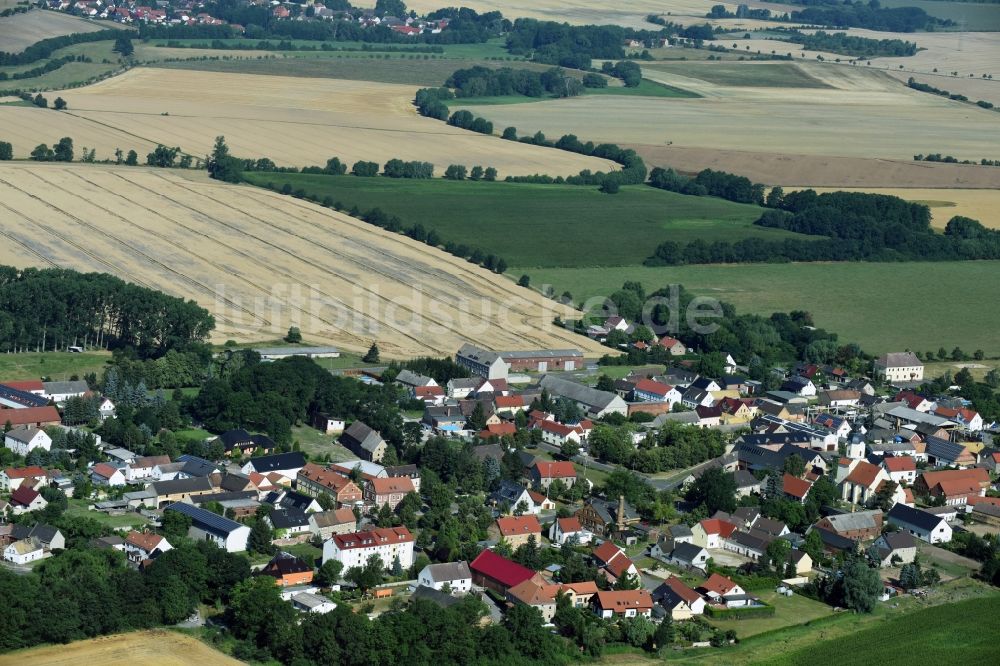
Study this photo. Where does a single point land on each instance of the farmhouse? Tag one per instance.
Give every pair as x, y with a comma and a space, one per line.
596, 403
363, 442
24, 551
499, 574
543, 360
678, 600
481, 362
456, 575
208, 526
276, 353
623, 603
314, 480
899, 367
921, 524
24, 440
354, 549
516, 530
324, 524
896, 547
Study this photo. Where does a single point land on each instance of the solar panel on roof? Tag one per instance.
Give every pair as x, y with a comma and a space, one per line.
212, 521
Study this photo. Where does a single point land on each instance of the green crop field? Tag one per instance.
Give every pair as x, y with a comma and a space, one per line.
947, 634
540, 225
766, 75
56, 365
882, 306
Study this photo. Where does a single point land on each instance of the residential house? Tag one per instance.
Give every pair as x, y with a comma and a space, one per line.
285, 464
103, 474
499, 574
179, 490
558, 434
509, 496
461, 387
672, 345
899, 367
751, 544
354, 549
921, 524
239, 442
955, 486
719, 589
688, 555
544, 596
678, 600
481, 362
207, 526
48, 536
711, 532
746, 483
25, 439
389, 491
968, 419
856, 526
516, 530
896, 548
143, 468
13, 477
800, 386
23, 552
613, 561
709, 417
142, 546
309, 602
314, 480
456, 575
544, 472
668, 540
648, 390
412, 380
801, 561
568, 529
25, 500
60, 392
287, 570
364, 442
839, 398
622, 603
411, 472
324, 524
795, 488
327, 424
901, 469
288, 524
596, 403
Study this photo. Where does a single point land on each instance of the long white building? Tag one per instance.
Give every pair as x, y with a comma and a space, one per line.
354, 549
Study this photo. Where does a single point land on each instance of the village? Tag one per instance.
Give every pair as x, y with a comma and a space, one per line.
861, 480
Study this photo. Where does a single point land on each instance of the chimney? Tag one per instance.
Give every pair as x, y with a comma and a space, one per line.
621, 513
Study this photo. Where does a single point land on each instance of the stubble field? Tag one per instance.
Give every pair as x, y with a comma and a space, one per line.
162, 648
20, 31
293, 121
261, 262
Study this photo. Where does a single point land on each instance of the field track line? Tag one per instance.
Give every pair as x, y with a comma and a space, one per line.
24, 244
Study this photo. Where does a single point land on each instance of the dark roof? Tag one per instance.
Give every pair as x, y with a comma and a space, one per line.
835, 541
204, 519
174, 486
685, 552
775, 438
224, 497
944, 449
294, 500
360, 437
442, 599
915, 517
42, 532
242, 439
283, 519
265, 464
195, 466
283, 564
22, 397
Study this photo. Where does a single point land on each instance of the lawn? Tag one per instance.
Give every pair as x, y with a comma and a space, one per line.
314, 444
948, 634
78, 508
787, 611
306, 551
882, 306
55, 365
541, 225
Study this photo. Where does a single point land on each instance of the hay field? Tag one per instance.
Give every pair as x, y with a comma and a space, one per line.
884, 119
152, 648
20, 31
973, 88
631, 14
261, 262
982, 205
295, 122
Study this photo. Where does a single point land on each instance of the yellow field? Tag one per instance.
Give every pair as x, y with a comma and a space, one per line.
864, 114
20, 31
152, 648
982, 205
293, 121
261, 262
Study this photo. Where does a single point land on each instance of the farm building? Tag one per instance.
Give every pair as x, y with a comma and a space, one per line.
208, 526
276, 353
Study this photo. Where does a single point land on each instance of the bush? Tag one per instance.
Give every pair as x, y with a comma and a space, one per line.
6, 151
365, 169
455, 172
591, 80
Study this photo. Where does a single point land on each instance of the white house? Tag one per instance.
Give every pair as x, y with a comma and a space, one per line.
208, 526
23, 441
921, 524
106, 409
901, 469
103, 474
558, 434
24, 551
60, 392
899, 367
568, 529
308, 602
456, 575
142, 546
354, 549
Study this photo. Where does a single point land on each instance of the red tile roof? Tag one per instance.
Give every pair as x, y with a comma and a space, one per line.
568, 525
794, 486
655, 388
606, 552
146, 541
900, 464
719, 584
682, 590
621, 600
717, 526
28, 385
23, 496
47, 415
864, 474
555, 470
508, 401
518, 525
977, 474
498, 430
104, 470
24, 472
391, 485
500, 569
379, 536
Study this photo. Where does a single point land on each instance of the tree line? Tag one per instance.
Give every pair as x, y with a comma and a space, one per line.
479, 81
841, 42
865, 15
52, 308
709, 183
574, 46
44, 48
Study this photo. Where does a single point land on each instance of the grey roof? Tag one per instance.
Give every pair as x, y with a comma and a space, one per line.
745, 479
943, 449
204, 519
769, 526
685, 552
477, 354
834, 540
595, 399
848, 522
507, 493
680, 531
175, 486
757, 541
987, 509
449, 571
76, 386
195, 466
23, 434
465, 382
411, 378
283, 519
291, 460
912, 415
541, 353
360, 436
310, 600
224, 497
675, 417
608, 510
899, 360
906, 515
295, 351
44, 533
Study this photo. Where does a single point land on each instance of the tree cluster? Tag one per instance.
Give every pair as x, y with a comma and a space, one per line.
46, 47
865, 15
481, 81
841, 42
709, 183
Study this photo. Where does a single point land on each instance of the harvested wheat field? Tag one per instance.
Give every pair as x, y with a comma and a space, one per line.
20, 31
261, 262
982, 205
631, 14
293, 121
885, 119
152, 648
